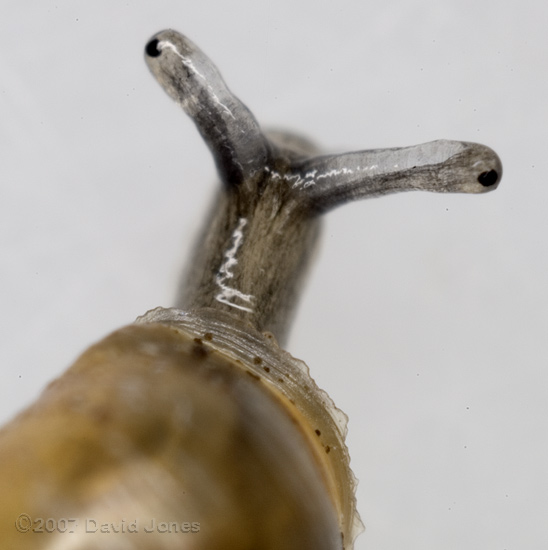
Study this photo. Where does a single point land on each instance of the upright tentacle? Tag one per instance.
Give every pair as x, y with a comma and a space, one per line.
226, 124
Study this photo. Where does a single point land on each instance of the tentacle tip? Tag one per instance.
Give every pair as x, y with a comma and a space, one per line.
170, 39
490, 176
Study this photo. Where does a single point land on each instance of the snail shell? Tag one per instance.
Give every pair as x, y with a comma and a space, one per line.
159, 421
192, 428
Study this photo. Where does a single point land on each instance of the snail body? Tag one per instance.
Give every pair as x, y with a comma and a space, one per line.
193, 421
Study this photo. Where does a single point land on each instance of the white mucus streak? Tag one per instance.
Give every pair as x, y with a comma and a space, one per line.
189, 64
375, 163
225, 273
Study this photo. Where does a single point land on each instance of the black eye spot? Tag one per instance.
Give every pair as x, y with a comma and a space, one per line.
152, 48
488, 178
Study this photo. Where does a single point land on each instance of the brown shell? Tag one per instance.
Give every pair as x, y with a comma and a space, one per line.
155, 425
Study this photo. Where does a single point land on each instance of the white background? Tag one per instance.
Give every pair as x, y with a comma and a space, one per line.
426, 315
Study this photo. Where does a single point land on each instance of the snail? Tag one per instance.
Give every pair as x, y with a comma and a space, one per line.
192, 427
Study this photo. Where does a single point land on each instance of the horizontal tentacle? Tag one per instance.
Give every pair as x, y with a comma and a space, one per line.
439, 166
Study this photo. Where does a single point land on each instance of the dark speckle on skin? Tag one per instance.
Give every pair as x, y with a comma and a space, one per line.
199, 351
253, 375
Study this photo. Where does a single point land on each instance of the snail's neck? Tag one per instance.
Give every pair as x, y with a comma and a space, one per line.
251, 257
